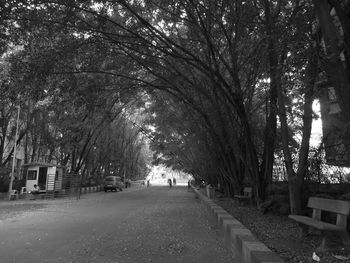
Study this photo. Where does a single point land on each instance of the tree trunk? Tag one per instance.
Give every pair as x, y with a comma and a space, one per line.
334, 69
34, 146
73, 164
266, 167
303, 165
4, 127
337, 128
295, 180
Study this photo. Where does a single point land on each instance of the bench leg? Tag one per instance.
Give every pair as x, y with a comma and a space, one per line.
304, 231
345, 238
323, 246
331, 240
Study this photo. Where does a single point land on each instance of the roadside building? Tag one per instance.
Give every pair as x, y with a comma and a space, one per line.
49, 177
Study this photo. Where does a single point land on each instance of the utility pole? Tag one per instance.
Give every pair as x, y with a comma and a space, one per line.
14, 153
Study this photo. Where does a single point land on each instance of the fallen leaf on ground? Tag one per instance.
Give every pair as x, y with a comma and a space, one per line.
315, 257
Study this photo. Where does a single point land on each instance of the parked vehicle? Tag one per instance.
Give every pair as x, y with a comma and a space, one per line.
113, 183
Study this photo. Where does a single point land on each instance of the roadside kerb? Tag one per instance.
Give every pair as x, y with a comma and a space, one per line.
238, 239
90, 189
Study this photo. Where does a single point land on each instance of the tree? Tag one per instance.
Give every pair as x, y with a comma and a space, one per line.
223, 72
333, 25
73, 98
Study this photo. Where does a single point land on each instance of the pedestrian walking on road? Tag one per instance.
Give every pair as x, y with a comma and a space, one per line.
174, 181
169, 182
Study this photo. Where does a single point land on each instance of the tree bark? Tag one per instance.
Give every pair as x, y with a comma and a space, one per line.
266, 166
334, 69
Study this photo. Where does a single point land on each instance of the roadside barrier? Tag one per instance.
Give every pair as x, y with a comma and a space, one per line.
245, 247
73, 191
91, 189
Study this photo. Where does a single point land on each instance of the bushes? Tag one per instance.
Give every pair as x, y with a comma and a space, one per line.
277, 202
345, 197
332, 191
280, 188
4, 179
4, 185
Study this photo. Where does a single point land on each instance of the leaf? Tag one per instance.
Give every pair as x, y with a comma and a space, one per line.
315, 257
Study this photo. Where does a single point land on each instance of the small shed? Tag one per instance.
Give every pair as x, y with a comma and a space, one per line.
47, 176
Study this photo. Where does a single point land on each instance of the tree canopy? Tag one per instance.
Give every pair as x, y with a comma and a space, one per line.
220, 88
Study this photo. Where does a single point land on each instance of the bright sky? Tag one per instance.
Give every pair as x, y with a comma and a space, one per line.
316, 131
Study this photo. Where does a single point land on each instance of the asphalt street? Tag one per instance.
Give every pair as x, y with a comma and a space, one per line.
154, 224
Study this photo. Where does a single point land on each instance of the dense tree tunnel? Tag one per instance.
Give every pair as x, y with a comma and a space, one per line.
216, 89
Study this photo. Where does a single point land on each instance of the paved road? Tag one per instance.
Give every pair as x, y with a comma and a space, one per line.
155, 224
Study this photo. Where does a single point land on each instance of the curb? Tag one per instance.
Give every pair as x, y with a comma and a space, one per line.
237, 238
90, 189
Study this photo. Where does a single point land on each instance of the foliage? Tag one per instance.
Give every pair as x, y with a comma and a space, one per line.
69, 103
219, 88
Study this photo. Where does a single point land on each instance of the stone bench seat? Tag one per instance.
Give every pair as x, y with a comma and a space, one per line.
316, 223
338, 207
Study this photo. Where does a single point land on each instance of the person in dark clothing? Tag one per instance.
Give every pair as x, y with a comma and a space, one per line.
36, 189
170, 182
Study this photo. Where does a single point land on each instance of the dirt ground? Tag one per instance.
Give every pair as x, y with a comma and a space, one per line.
281, 234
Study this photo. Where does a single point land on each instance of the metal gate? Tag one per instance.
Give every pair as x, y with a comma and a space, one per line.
69, 186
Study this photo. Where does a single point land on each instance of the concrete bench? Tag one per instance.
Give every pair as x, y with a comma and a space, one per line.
13, 195
247, 195
338, 207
